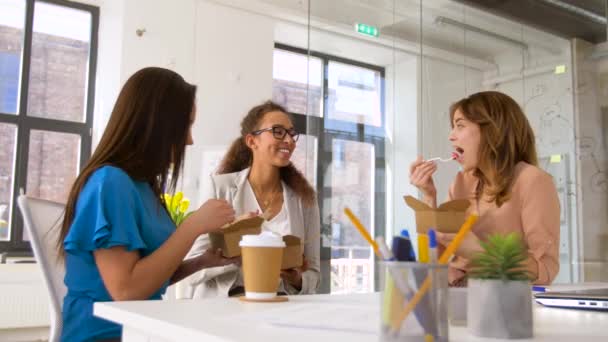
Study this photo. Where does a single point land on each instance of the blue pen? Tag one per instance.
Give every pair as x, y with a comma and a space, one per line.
402, 247
537, 288
432, 246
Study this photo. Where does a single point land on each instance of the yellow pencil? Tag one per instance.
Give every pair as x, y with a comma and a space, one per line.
392, 297
451, 248
362, 230
445, 257
423, 248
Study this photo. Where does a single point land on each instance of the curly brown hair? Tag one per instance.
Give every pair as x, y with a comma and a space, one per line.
506, 139
240, 156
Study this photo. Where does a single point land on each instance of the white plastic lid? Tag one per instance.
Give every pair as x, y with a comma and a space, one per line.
265, 239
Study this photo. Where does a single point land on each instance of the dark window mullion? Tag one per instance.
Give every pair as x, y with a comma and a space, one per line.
9, 118
323, 169
72, 4
87, 143
26, 57
22, 142
53, 125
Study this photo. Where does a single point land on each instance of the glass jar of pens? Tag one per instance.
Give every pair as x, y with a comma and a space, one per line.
413, 301
413, 294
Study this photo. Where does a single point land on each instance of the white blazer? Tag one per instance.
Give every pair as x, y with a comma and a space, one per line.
304, 222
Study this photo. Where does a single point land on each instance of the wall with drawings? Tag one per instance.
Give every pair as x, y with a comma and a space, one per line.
591, 133
547, 98
569, 114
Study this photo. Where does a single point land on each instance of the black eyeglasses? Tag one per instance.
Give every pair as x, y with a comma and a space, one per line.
279, 132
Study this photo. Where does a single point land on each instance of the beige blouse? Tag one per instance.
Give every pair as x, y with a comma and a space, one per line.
532, 210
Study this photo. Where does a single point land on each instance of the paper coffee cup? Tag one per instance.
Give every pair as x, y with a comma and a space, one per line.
262, 256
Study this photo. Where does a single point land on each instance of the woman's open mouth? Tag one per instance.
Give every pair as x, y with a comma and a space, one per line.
458, 154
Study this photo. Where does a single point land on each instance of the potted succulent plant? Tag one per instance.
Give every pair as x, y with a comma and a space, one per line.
499, 300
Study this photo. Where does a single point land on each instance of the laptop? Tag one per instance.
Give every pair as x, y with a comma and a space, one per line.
590, 299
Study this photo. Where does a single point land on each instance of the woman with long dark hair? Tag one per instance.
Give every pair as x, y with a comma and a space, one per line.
501, 178
256, 175
117, 239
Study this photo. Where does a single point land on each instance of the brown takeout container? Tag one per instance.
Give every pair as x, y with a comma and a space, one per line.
292, 253
228, 238
447, 218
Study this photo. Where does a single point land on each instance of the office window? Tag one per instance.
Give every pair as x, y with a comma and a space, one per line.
8, 143
354, 94
304, 157
297, 82
9, 81
338, 103
47, 73
12, 15
352, 184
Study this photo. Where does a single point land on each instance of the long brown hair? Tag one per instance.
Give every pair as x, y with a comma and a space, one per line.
146, 135
240, 156
506, 139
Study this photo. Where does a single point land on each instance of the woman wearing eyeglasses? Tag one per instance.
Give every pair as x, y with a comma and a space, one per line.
257, 176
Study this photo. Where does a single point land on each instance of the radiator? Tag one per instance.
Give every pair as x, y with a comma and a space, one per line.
24, 302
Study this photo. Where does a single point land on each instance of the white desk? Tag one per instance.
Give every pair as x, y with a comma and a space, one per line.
232, 320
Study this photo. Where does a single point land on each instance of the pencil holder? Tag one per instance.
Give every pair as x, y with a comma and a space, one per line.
414, 300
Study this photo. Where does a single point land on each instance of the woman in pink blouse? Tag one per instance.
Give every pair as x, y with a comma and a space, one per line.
501, 178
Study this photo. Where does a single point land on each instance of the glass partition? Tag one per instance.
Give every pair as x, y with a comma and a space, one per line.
369, 84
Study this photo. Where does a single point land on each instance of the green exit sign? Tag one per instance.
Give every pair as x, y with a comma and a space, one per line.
367, 30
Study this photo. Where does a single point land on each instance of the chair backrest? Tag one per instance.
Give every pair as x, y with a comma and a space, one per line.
42, 220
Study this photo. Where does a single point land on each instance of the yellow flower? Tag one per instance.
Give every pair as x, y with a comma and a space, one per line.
177, 198
167, 198
177, 205
183, 206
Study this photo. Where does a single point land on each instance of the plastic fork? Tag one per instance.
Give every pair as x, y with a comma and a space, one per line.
455, 155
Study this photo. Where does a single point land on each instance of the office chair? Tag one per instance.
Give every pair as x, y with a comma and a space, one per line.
42, 219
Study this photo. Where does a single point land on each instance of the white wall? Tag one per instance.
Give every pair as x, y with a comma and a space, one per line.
234, 73
443, 83
168, 40
402, 147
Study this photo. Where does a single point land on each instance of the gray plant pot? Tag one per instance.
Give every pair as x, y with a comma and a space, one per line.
499, 309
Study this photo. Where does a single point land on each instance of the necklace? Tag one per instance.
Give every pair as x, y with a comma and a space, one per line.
266, 203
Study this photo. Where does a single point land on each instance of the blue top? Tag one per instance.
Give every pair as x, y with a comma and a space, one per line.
112, 210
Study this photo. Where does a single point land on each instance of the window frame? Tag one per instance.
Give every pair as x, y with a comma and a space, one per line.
317, 126
25, 123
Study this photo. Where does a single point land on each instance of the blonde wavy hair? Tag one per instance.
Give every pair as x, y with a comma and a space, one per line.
506, 139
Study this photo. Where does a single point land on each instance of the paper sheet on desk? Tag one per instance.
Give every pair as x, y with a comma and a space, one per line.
358, 319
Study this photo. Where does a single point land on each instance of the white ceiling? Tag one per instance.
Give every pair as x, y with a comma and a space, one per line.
401, 19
